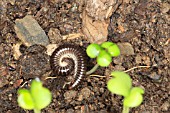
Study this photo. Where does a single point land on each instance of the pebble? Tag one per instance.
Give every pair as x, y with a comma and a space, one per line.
119, 68
138, 59
54, 35
29, 31
69, 95
16, 50
51, 48
101, 90
118, 60
165, 106
10, 96
70, 111
146, 60
84, 94
154, 76
126, 48
165, 7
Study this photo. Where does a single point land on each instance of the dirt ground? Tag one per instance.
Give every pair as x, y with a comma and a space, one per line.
142, 23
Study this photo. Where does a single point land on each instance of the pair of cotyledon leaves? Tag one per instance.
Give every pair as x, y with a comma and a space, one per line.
38, 97
103, 52
121, 84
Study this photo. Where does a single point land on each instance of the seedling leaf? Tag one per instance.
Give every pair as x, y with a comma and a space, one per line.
104, 59
41, 95
25, 100
135, 97
93, 50
106, 45
120, 84
114, 50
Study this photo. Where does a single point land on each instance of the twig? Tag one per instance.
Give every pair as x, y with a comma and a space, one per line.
72, 36
100, 76
136, 68
50, 78
124, 71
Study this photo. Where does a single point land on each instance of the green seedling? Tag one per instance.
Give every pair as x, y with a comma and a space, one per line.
103, 53
93, 50
121, 84
104, 58
37, 98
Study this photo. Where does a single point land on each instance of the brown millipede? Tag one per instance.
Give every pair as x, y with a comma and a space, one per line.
69, 58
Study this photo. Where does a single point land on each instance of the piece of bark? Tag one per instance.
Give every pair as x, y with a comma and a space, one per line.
101, 9
95, 31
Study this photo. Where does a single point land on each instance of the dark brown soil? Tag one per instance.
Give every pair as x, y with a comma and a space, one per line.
142, 23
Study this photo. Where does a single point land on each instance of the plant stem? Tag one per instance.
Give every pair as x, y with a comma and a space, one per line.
92, 70
37, 111
125, 109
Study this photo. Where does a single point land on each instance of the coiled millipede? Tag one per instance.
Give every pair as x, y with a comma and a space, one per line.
69, 58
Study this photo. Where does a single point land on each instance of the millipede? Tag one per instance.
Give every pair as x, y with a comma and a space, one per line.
67, 59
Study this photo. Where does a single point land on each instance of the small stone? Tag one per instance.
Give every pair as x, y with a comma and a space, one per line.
68, 27
10, 96
80, 98
70, 111
107, 73
165, 7
101, 105
51, 48
118, 60
101, 90
74, 8
54, 35
69, 95
29, 31
146, 60
165, 106
126, 48
84, 94
16, 50
138, 59
119, 68
154, 76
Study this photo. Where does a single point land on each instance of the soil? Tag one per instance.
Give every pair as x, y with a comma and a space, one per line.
142, 23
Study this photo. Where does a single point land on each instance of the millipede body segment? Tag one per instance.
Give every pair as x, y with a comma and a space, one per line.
69, 58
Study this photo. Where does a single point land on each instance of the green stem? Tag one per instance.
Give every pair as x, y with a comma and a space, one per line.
92, 70
37, 111
125, 109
